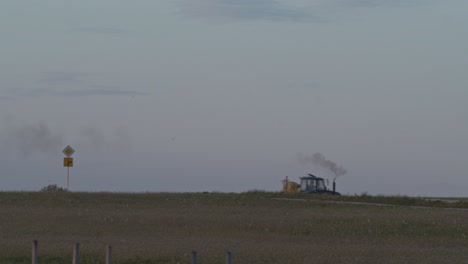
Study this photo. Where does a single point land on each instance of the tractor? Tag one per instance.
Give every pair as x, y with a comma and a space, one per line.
309, 184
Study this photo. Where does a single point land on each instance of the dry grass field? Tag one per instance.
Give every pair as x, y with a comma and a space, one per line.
166, 227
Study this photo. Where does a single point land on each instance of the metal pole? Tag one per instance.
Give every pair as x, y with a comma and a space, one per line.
76, 253
109, 255
194, 257
68, 179
34, 252
228, 257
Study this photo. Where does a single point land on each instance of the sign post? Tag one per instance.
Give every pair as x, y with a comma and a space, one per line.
68, 162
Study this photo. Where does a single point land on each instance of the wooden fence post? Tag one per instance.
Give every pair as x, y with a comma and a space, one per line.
76, 253
109, 255
228, 257
34, 252
194, 257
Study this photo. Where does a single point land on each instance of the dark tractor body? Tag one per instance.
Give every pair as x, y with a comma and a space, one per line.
314, 184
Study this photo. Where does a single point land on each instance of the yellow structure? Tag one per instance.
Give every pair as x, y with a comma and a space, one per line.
289, 186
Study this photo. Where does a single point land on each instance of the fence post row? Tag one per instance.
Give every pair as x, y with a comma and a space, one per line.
76, 254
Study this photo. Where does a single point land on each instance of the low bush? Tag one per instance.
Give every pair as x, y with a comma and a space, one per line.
53, 188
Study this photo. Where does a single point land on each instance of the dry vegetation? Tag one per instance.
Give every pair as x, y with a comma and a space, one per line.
166, 227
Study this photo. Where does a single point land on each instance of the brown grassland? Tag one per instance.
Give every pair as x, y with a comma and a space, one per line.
155, 228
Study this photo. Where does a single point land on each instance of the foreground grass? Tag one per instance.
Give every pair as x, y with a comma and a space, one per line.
166, 227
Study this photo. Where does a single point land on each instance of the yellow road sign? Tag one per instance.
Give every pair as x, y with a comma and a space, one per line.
68, 151
68, 162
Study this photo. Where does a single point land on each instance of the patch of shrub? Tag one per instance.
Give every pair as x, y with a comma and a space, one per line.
53, 188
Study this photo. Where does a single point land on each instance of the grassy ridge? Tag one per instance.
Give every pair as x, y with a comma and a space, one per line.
166, 227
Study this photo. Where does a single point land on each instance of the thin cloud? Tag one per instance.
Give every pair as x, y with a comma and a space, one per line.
60, 78
377, 3
270, 10
100, 30
95, 139
275, 10
86, 92
75, 84
97, 92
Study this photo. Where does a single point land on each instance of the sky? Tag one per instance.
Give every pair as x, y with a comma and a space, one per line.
231, 95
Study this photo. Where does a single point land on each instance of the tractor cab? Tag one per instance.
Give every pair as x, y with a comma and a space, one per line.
314, 184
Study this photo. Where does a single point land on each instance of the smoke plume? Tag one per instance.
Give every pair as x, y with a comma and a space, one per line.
30, 138
319, 160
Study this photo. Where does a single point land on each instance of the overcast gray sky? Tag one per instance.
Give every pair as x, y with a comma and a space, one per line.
226, 95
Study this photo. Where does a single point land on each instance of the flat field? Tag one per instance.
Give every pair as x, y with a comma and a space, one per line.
257, 227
